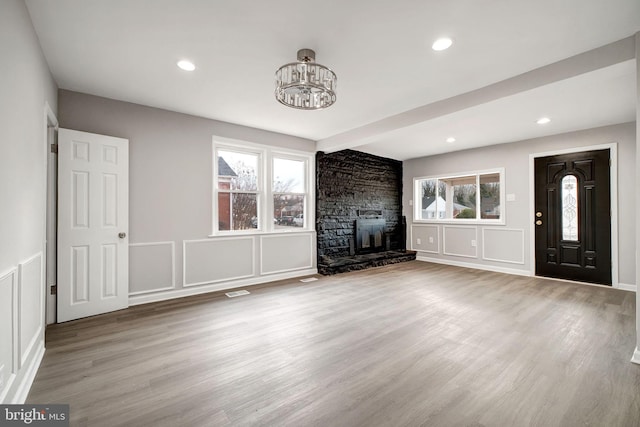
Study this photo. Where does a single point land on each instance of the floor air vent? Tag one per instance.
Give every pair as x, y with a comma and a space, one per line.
236, 293
309, 279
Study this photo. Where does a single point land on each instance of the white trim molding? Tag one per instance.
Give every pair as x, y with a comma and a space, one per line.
24, 355
444, 241
28, 275
287, 236
11, 371
173, 266
212, 240
626, 287
223, 286
475, 266
30, 374
50, 123
507, 261
437, 227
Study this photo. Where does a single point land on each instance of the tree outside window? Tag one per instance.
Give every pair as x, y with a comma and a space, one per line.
458, 197
237, 190
288, 189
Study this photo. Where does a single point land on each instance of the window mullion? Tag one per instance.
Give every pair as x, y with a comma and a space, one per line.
478, 207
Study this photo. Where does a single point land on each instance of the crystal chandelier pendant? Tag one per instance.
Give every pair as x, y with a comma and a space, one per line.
306, 85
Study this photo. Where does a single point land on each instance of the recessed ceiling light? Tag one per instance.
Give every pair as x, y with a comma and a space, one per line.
451, 139
186, 65
543, 120
442, 44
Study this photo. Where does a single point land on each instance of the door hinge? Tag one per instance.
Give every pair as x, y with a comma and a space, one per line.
54, 289
54, 148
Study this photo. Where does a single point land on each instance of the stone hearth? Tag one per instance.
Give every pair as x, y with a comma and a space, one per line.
328, 266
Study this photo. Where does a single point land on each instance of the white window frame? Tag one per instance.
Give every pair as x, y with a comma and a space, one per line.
417, 197
259, 192
265, 192
306, 186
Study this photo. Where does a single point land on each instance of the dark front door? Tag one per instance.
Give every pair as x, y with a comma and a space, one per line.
573, 216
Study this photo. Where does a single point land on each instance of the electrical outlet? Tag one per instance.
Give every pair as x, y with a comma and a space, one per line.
473, 243
430, 239
418, 241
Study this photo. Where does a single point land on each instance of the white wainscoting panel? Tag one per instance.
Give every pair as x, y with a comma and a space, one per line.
458, 241
503, 245
31, 310
152, 267
8, 330
428, 236
280, 253
218, 259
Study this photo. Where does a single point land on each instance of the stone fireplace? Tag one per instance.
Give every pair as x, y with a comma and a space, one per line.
359, 220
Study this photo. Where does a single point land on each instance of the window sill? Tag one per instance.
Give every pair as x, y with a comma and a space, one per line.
460, 221
258, 233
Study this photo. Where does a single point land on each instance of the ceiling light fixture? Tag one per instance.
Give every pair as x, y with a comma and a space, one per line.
543, 120
186, 65
451, 139
306, 85
442, 44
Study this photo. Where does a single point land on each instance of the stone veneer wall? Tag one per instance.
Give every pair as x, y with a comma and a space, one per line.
349, 181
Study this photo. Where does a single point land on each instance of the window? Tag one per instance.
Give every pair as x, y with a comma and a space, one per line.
490, 196
260, 190
469, 197
238, 190
288, 190
569, 208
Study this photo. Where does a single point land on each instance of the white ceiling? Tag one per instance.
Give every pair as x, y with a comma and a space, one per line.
380, 50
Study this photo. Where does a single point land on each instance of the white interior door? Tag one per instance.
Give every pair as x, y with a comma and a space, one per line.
93, 222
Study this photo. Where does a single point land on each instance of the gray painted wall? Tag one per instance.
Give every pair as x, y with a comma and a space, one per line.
25, 86
514, 157
170, 167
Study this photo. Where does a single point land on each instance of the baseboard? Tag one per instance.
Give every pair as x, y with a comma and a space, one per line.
22, 390
203, 289
636, 356
626, 287
475, 266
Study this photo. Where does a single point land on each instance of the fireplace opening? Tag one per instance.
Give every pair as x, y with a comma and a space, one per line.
370, 236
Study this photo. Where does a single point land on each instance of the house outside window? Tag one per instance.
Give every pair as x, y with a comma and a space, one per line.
243, 203
238, 189
465, 197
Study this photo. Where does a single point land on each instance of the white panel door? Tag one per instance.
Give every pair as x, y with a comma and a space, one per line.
93, 222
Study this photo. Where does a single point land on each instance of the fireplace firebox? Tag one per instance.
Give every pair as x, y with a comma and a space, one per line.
370, 235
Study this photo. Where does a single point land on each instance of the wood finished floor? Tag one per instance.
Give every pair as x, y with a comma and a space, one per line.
412, 344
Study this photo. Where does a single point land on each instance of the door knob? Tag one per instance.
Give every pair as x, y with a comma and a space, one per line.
539, 214
122, 235
538, 222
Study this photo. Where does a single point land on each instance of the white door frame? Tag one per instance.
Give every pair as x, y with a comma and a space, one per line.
613, 170
50, 226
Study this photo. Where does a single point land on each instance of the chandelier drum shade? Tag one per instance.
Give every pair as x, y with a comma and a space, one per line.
305, 84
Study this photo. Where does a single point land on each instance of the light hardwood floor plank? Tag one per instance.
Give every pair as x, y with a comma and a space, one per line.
411, 344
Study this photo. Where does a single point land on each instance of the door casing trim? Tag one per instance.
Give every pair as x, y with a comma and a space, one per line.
613, 172
50, 301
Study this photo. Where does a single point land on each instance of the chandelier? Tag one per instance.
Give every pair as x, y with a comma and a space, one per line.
305, 84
